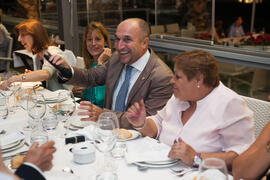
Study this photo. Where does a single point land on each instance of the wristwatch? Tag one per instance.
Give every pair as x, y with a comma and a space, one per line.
23, 77
197, 160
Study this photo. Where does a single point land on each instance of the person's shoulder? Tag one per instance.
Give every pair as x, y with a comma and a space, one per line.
28, 173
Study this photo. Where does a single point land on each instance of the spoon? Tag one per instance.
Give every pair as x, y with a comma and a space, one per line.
68, 170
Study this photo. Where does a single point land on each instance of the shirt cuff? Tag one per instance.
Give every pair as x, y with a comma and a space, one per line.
34, 166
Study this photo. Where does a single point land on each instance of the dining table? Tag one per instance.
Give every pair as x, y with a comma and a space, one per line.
63, 158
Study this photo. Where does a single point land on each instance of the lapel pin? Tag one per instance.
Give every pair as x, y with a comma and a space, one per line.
143, 78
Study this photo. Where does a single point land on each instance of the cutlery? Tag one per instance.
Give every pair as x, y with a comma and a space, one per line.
183, 171
68, 170
26, 143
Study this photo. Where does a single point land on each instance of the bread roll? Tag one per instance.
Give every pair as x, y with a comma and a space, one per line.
16, 161
124, 134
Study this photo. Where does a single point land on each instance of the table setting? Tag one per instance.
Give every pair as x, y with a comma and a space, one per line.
87, 150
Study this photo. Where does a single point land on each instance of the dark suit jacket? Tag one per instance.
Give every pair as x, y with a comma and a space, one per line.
28, 173
153, 84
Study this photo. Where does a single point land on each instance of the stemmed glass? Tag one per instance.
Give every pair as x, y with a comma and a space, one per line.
107, 130
66, 106
25, 94
10, 90
36, 108
213, 169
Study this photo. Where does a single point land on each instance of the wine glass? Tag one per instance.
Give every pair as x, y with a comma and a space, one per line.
23, 96
107, 130
66, 106
213, 169
10, 90
36, 108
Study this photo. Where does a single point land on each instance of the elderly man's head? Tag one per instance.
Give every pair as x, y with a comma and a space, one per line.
131, 40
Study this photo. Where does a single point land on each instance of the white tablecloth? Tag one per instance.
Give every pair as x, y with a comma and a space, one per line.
64, 158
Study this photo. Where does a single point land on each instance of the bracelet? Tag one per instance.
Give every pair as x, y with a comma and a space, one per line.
141, 127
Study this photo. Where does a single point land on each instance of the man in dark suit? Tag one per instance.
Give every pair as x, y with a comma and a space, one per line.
133, 72
36, 160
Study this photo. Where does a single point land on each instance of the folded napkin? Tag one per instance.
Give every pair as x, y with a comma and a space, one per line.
11, 138
88, 132
30, 84
146, 149
52, 95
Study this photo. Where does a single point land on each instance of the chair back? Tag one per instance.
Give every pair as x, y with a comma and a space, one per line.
261, 111
173, 28
159, 29
6, 58
10, 45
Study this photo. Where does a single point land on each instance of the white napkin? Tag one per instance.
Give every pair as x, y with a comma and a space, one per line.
52, 95
11, 138
29, 84
146, 149
88, 132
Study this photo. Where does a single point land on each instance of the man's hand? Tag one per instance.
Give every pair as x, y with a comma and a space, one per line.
41, 156
184, 152
93, 111
58, 60
77, 90
136, 114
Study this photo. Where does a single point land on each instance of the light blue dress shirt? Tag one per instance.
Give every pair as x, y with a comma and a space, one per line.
138, 67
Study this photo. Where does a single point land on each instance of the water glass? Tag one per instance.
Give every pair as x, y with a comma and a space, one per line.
213, 169
39, 135
50, 121
3, 107
119, 150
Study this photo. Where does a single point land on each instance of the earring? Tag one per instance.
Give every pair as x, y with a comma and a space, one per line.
198, 86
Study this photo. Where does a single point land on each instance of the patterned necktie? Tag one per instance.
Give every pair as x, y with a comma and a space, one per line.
122, 94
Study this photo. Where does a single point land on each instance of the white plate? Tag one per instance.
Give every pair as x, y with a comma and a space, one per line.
155, 165
15, 147
16, 143
161, 162
135, 134
80, 124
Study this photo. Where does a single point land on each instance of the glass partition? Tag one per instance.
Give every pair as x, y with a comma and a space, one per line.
176, 25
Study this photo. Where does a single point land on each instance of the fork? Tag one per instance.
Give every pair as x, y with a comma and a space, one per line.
183, 171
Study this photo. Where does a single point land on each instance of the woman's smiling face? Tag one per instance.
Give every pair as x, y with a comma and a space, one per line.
95, 44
